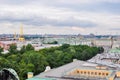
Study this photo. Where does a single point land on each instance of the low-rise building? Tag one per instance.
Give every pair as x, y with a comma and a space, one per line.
79, 70
6, 44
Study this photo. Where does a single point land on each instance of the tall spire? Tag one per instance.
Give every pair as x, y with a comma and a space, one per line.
21, 31
21, 37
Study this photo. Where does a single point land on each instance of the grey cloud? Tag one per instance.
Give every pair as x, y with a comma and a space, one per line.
28, 2
17, 2
75, 22
116, 29
110, 6
42, 21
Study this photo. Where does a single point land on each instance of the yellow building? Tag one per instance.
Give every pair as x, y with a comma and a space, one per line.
100, 72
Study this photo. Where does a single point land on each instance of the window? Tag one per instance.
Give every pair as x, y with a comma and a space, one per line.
95, 73
103, 73
91, 72
77, 71
85, 72
81, 72
88, 72
106, 74
99, 73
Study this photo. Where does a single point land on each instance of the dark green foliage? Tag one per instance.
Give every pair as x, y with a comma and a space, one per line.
13, 49
23, 49
54, 42
29, 47
101, 49
1, 50
35, 61
65, 46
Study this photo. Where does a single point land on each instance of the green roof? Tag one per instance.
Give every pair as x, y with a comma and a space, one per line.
30, 72
115, 51
35, 78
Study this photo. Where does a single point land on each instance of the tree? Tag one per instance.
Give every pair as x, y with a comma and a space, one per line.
54, 42
1, 50
4, 63
13, 49
65, 46
101, 49
24, 69
36, 61
29, 47
63, 58
23, 49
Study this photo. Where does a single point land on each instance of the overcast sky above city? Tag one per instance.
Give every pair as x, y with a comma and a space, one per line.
60, 16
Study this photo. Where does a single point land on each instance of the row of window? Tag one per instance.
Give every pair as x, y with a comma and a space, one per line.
92, 73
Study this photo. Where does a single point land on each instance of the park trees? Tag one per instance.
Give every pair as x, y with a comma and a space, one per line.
1, 50
29, 47
35, 61
13, 49
23, 49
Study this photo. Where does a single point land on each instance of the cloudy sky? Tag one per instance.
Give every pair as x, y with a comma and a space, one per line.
60, 16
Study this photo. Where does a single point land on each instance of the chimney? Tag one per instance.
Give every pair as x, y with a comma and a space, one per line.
30, 74
74, 60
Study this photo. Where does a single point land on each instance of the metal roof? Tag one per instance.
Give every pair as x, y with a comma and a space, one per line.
35, 78
59, 73
114, 51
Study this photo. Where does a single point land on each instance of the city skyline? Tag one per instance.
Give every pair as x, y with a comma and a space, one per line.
60, 16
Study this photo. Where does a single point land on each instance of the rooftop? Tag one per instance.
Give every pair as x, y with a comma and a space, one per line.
34, 78
115, 50
60, 72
